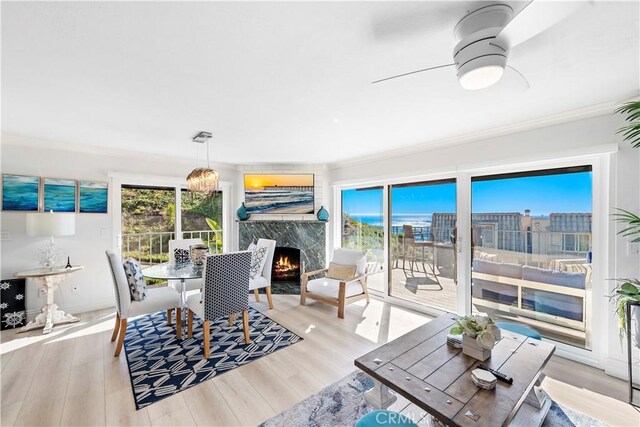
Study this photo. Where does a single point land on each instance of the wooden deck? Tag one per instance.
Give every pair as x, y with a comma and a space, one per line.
423, 289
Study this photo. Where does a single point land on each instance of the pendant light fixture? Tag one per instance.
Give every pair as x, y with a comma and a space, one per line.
203, 180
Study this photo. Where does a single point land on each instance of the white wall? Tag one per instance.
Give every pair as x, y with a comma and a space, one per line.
94, 232
585, 137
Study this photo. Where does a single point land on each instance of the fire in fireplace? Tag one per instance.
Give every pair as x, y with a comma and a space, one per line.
286, 265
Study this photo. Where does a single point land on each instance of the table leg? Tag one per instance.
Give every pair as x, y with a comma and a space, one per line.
183, 303
50, 315
380, 396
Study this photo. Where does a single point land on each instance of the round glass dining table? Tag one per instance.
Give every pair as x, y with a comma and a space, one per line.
181, 272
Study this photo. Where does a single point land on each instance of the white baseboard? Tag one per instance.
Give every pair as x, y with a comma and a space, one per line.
619, 369
78, 308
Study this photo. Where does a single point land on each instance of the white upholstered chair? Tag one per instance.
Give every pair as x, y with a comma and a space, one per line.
349, 284
157, 299
264, 280
191, 284
226, 284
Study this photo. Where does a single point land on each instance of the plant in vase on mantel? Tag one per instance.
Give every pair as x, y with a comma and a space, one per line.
479, 335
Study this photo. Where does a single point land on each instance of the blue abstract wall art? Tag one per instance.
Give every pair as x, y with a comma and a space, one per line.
59, 195
93, 197
20, 193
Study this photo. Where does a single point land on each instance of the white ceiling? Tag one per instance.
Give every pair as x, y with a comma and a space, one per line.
288, 82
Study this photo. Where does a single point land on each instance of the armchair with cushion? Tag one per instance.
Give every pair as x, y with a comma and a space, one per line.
155, 300
226, 285
345, 280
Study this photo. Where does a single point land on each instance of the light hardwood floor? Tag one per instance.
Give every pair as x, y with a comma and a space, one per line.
70, 377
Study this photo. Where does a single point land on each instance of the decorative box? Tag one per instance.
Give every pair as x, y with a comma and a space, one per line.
12, 304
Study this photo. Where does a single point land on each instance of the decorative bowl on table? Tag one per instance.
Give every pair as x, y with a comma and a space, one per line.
198, 256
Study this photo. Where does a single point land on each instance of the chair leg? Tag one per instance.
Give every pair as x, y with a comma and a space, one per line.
231, 319
342, 296
205, 337
123, 332
178, 322
114, 335
190, 324
257, 294
245, 326
268, 289
365, 289
303, 294
169, 315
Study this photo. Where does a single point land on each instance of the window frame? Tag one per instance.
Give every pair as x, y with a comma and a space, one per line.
600, 163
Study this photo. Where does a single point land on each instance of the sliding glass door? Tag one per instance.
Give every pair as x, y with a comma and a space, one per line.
531, 248
362, 228
422, 243
148, 222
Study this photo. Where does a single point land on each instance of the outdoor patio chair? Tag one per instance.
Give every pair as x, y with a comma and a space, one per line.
415, 251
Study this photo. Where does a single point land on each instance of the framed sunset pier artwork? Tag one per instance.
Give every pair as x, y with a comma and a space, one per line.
279, 194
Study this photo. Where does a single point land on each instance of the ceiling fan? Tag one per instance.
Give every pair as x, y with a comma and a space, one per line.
485, 35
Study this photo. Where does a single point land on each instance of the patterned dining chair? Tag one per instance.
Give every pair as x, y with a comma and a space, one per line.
226, 285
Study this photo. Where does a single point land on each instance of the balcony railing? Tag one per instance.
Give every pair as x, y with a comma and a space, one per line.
153, 247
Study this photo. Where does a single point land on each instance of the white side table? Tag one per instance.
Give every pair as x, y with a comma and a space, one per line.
49, 279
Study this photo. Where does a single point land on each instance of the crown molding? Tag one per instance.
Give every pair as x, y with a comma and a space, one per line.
531, 124
596, 110
23, 141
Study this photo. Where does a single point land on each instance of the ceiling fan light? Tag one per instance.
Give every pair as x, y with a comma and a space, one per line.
481, 77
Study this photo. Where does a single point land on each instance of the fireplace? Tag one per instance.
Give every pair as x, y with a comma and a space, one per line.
286, 265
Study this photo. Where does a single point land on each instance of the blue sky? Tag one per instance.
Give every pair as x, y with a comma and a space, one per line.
541, 194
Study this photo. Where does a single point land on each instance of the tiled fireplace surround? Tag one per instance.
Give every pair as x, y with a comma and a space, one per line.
308, 236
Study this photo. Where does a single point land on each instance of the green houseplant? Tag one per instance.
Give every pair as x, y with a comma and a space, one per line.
479, 335
628, 290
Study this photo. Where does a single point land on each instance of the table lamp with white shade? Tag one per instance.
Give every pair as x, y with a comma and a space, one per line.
50, 224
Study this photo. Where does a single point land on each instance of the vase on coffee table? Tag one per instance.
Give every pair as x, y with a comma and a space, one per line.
471, 348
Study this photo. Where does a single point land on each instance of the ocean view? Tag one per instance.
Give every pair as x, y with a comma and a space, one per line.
416, 220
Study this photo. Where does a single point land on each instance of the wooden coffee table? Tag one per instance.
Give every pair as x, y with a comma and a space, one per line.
437, 377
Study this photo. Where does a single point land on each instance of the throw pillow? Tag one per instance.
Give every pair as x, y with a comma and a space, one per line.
137, 285
258, 258
341, 272
181, 255
252, 247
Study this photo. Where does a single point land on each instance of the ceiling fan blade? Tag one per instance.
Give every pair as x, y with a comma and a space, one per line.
412, 72
536, 17
526, 82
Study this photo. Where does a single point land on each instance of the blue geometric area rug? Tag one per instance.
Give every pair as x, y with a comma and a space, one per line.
342, 404
161, 365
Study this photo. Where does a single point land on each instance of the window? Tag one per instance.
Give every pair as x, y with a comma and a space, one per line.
201, 217
536, 271
422, 243
362, 228
148, 222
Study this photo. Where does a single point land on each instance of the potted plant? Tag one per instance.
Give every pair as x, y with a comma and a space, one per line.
479, 335
628, 290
